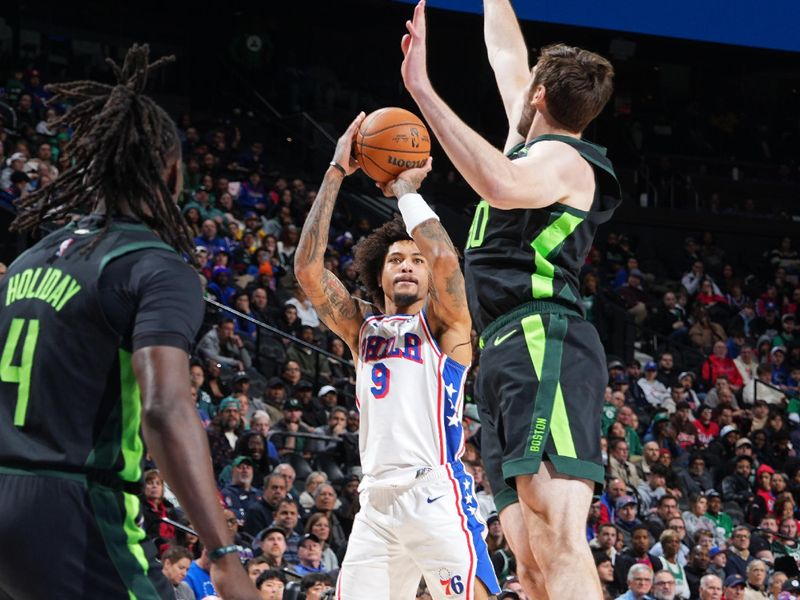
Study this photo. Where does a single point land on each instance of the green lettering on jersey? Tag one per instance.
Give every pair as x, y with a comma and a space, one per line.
54, 287
32, 285
50, 281
11, 290
548, 240
73, 288
479, 222
23, 282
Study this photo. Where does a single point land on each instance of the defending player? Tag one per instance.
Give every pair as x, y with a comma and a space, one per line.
96, 322
418, 510
542, 368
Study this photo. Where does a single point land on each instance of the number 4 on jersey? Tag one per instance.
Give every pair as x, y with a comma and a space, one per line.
19, 374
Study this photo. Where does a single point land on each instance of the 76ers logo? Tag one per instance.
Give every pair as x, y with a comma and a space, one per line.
452, 584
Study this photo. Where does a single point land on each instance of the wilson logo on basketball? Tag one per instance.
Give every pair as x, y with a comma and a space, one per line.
408, 164
414, 137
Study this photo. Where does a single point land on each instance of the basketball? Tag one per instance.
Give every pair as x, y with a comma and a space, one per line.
389, 141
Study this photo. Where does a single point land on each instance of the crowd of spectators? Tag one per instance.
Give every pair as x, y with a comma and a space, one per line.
699, 436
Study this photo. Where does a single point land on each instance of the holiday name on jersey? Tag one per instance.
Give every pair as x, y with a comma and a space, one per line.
376, 347
50, 285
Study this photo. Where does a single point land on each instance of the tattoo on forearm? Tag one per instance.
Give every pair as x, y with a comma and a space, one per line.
433, 230
314, 238
339, 305
434, 233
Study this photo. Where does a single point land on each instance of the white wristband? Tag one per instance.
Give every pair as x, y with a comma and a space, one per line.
414, 211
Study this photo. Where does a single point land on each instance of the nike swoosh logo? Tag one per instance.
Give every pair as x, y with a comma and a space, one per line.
502, 338
432, 500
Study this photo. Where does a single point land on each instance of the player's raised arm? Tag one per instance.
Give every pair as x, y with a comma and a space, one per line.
447, 308
540, 179
507, 54
329, 296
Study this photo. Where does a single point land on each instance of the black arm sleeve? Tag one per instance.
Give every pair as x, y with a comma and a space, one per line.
152, 298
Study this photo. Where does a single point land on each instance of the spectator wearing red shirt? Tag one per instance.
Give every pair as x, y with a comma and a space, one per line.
720, 364
707, 429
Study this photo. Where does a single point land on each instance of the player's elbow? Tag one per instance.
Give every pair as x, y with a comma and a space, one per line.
163, 410
306, 273
444, 259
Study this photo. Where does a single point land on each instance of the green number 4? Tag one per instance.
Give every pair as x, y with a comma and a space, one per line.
19, 374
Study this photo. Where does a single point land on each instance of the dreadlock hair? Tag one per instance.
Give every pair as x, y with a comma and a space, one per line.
370, 252
121, 146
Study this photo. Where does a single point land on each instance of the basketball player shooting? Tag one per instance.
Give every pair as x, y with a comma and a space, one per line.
418, 509
542, 368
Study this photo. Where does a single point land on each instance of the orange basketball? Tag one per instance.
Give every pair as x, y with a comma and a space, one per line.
389, 141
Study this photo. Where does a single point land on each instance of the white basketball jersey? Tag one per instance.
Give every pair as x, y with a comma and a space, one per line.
410, 396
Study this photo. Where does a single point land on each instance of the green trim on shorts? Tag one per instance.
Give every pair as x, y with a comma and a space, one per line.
115, 515
505, 498
575, 467
545, 348
559, 427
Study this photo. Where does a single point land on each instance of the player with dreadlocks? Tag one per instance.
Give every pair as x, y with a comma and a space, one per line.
96, 322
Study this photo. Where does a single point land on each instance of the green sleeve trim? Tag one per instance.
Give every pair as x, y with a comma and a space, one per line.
132, 247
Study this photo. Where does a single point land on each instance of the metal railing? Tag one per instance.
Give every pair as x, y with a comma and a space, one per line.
281, 334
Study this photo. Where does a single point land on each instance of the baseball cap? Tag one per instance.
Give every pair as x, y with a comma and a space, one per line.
271, 529
276, 382
250, 215
651, 366
292, 404
770, 306
658, 417
686, 374
625, 501
15, 156
778, 349
326, 389
727, 429
744, 442
734, 580
229, 402
241, 376
714, 551
201, 250
636, 273
784, 318
791, 585
242, 459
308, 537
304, 384
713, 494
492, 518
616, 364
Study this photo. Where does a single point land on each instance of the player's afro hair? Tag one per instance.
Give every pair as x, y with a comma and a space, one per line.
370, 253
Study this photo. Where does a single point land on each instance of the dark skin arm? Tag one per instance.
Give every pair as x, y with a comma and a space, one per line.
327, 293
447, 308
177, 441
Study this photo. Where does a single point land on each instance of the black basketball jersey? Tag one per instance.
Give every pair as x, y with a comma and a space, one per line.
520, 255
69, 400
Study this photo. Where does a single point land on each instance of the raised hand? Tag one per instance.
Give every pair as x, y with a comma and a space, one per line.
343, 154
414, 68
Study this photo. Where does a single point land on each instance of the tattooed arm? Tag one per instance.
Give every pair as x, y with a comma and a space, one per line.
330, 298
447, 306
